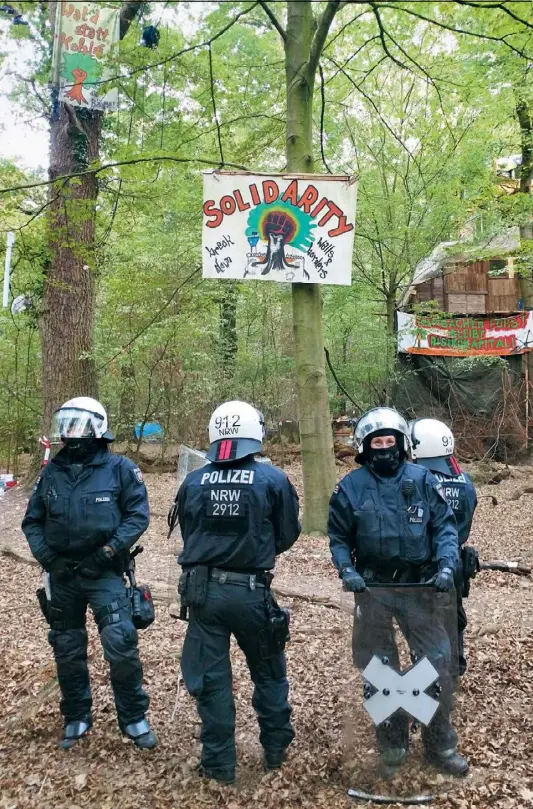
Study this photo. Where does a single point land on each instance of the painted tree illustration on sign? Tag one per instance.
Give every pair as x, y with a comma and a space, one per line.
280, 224
84, 69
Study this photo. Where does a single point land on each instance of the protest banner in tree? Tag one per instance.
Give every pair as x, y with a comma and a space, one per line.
296, 228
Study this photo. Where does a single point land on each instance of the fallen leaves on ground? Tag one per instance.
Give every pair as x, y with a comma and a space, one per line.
331, 752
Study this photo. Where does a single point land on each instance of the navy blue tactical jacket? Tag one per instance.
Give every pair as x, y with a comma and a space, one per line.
372, 523
460, 493
237, 516
69, 515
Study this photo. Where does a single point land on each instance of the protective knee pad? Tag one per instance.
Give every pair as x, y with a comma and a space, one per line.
68, 644
119, 641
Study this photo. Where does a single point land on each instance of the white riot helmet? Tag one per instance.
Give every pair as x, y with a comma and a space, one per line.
433, 445
81, 417
236, 429
382, 420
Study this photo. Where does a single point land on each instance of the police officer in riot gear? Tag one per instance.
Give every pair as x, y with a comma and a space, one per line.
86, 511
389, 524
433, 445
236, 515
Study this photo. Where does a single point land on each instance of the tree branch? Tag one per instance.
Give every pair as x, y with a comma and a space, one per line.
184, 50
322, 111
382, 35
321, 33
213, 102
132, 162
344, 27
455, 30
128, 13
498, 6
273, 19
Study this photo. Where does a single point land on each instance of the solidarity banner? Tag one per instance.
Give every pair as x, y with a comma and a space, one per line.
465, 336
296, 228
83, 38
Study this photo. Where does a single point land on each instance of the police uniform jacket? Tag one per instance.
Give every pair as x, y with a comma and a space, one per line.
72, 513
460, 494
237, 516
374, 524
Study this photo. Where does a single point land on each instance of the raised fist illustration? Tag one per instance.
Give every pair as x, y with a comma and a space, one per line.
280, 224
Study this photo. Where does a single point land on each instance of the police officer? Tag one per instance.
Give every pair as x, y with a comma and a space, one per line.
433, 445
86, 510
390, 524
236, 515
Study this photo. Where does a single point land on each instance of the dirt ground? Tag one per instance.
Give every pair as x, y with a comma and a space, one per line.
493, 715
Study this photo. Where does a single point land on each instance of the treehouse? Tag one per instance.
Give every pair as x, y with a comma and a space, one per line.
469, 281
464, 341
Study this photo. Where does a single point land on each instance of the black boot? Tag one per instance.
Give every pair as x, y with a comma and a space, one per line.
391, 760
449, 761
273, 759
222, 776
141, 734
75, 730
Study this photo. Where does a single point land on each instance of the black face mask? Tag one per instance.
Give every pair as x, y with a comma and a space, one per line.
384, 462
81, 450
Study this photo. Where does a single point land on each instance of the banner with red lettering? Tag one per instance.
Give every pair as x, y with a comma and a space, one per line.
290, 228
465, 336
83, 38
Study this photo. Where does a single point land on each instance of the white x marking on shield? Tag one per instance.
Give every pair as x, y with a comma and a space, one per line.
401, 691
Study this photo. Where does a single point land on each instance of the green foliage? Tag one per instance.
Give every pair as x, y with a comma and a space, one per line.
421, 123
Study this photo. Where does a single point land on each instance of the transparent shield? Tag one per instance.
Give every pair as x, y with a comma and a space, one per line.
400, 698
188, 460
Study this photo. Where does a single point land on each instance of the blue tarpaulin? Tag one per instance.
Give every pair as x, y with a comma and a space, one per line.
151, 431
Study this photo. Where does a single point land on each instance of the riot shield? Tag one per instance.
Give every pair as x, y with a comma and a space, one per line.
188, 460
399, 713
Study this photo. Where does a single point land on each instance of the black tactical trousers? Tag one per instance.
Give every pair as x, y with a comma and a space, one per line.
68, 638
205, 664
462, 623
427, 636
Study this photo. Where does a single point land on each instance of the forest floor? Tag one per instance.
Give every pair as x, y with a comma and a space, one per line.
493, 714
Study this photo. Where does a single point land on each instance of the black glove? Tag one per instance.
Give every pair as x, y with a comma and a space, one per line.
94, 565
352, 581
443, 581
61, 568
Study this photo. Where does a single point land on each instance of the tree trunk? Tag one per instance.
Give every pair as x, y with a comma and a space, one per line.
524, 113
69, 286
390, 308
313, 398
68, 304
228, 330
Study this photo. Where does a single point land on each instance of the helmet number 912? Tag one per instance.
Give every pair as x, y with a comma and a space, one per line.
227, 422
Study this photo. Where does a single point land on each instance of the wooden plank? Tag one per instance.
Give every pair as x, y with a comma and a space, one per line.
454, 279
476, 276
476, 303
503, 294
456, 302
438, 290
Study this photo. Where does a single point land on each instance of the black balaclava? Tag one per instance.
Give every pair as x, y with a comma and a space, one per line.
82, 450
384, 462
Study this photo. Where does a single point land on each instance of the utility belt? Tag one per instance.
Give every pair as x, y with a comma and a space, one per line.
397, 574
137, 596
192, 589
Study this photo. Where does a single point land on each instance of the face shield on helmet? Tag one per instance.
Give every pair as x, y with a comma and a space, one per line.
236, 429
72, 423
80, 418
433, 446
382, 421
